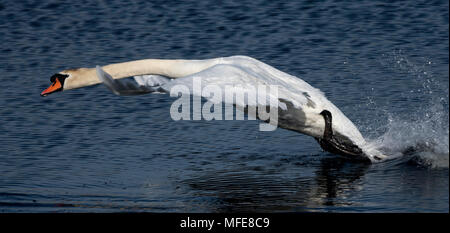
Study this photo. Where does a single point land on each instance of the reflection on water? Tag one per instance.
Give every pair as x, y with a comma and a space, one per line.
321, 182
336, 178
243, 191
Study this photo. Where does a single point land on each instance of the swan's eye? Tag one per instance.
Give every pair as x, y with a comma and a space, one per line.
60, 76
53, 78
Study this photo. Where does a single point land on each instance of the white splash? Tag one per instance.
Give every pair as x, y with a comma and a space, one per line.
422, 133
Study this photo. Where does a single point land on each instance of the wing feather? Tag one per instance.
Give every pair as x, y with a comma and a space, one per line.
122, 87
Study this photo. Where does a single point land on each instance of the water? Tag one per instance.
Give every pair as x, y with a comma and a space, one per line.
385, 65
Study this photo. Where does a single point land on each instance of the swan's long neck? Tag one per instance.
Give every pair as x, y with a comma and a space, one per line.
168, 68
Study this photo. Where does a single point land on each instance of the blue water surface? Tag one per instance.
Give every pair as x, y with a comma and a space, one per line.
383, 63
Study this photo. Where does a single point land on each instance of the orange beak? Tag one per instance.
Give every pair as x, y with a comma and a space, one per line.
56, 86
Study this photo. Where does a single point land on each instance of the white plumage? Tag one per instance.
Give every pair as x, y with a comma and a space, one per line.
299, 103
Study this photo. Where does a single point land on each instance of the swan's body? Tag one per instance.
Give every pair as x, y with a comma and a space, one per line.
300, 104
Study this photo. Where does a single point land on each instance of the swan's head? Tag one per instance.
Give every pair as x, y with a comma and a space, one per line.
58, 81
70, 79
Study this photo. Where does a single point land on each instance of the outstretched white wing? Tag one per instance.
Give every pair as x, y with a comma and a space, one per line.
299, 103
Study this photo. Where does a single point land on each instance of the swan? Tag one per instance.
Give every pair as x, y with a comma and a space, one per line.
302, 108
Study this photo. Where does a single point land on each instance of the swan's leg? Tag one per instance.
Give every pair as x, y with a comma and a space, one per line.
332, 144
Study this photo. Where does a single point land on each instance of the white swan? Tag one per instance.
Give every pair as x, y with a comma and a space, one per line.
303, 108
